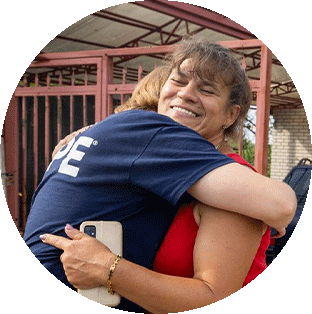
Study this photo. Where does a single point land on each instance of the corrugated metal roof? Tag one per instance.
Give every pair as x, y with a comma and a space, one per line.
109, 33
124, 24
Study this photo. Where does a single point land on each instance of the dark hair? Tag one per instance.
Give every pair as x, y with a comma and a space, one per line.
215, 62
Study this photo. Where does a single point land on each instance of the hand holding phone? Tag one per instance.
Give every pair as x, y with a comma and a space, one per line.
109, 233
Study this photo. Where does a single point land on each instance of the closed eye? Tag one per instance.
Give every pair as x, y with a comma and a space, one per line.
178, 81
207, 91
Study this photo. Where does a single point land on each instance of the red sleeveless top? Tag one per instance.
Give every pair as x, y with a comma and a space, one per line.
175, 256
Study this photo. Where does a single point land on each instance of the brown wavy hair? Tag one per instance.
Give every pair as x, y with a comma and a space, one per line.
215, 62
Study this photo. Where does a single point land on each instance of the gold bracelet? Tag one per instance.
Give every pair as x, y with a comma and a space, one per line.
111, 271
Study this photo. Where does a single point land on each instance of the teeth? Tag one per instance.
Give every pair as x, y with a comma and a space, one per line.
190, 113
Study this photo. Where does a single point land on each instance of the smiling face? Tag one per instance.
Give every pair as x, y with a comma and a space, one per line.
198, 103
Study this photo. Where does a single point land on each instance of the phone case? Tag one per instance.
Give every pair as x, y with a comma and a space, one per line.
109, 233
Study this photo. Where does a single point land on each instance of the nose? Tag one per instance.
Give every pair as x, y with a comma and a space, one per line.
188, 93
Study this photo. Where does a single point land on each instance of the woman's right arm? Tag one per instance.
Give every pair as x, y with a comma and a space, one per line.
235, 188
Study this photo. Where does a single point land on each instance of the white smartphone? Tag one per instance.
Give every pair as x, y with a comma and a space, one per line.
109, 233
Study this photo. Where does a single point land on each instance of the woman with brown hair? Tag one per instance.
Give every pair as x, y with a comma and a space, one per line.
205, 91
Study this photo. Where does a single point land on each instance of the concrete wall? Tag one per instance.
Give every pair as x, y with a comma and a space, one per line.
291, 140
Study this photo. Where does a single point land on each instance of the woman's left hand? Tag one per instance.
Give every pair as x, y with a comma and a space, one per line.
86, 261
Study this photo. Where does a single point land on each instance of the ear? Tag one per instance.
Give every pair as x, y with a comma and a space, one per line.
232, 114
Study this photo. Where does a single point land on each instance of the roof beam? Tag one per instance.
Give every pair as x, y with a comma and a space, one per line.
83, 41
199, 16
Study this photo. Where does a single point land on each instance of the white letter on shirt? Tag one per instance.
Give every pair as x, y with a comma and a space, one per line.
75, 154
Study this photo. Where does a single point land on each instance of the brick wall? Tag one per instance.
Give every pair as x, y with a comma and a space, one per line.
291, 140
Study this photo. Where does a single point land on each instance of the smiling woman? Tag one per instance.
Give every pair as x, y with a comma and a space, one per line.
187, 112
219, 81
197, 103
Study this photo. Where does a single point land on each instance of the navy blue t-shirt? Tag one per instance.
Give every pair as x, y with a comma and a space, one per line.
132, 167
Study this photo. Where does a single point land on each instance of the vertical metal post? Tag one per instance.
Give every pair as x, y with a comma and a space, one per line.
24, 158
35, 141
47, 132
124, 80
263, 112
107, 78
241, 125
12, 165
140, 73
59, 118
240, 138
84, 106
71, 113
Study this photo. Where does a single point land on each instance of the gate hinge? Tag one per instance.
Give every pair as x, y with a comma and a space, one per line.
9, 177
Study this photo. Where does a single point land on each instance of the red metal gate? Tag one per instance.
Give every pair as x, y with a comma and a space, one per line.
54, 98
58, 94
61, 92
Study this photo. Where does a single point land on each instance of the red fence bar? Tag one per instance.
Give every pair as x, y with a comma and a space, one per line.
106, 107
263, 112
71, 112
24, 155
47, 132
11, 175
84, 106
35, 141
59, 118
